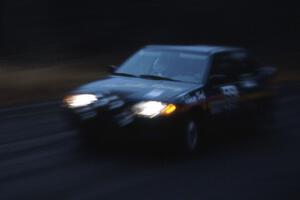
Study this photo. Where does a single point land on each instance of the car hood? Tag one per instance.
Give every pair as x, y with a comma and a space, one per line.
137, 89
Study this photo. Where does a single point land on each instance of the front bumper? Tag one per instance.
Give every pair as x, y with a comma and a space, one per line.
125, 125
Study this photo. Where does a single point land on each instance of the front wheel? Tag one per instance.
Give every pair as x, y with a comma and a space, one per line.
188, 140
191, 136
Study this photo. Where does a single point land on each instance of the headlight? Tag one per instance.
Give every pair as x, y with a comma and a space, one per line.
80, 100
153, 108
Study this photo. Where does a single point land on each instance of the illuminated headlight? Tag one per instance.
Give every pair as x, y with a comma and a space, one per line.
80, 100
153, 108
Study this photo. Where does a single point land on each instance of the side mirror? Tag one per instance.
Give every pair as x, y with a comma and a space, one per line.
217, 79
112, 68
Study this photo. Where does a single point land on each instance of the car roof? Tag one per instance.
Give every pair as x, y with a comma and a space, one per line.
206, 49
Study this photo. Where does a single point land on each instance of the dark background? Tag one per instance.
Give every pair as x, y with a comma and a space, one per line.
85, 27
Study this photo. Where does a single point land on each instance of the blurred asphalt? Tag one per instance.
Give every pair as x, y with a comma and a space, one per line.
41, 158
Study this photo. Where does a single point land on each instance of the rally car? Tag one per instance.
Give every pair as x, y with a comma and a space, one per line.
171, 92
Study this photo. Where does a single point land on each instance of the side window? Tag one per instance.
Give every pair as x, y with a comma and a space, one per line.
247, 64
225, 65
230, 67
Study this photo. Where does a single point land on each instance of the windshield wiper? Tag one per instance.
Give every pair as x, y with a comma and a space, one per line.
156, 77
123, 74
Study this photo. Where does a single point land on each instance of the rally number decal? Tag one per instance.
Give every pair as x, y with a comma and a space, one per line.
231, 95
197, 97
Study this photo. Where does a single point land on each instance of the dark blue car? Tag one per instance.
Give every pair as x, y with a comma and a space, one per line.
171, 93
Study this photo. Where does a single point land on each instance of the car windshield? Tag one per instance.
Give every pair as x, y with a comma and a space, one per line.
166, 65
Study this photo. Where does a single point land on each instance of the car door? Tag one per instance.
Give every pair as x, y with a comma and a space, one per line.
222, 88
251, 90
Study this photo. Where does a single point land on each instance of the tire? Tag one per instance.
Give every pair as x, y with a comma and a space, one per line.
191, 136
188, 140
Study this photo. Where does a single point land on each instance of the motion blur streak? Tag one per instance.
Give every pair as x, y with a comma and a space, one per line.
41, 158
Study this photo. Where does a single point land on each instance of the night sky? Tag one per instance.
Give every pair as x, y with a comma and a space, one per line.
106, 26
